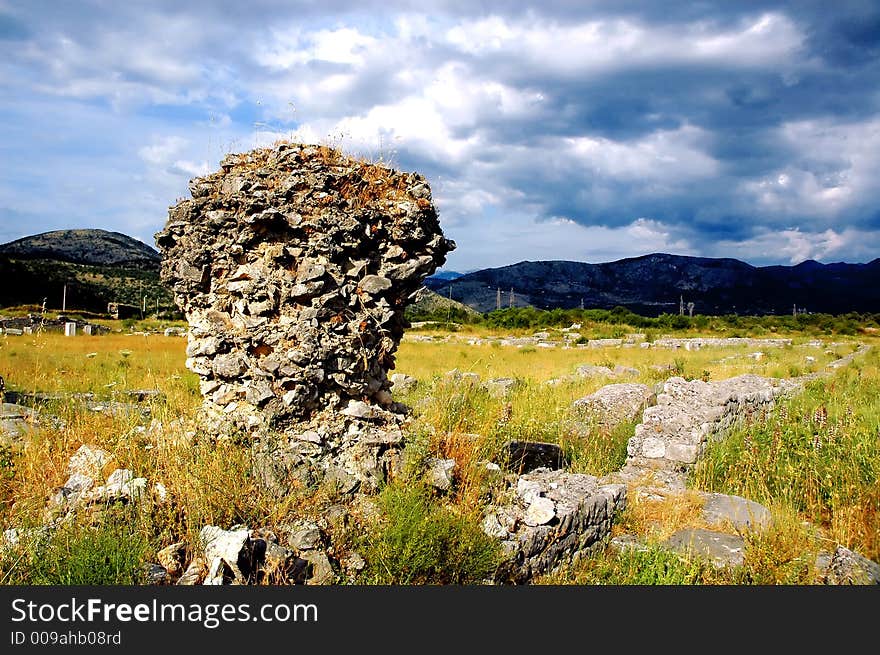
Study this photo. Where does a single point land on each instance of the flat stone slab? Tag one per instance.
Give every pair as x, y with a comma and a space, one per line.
16, 422
742, 513
721, 549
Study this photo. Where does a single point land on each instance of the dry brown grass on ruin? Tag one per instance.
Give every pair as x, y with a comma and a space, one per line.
364, 183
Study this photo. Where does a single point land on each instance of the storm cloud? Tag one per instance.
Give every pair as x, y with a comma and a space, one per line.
588, 131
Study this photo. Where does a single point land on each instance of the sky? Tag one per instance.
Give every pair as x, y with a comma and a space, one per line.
576, 130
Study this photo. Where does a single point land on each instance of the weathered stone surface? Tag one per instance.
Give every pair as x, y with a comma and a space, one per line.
171, 558
548, 518
320, 569
195, 573
402, 383
306, 537
120, 485
501, 387
850, 568
719, 548
293, 266
88, 461
615, 403
540, 511
16, 422
741, 513
223, 549
441, 473
593, 371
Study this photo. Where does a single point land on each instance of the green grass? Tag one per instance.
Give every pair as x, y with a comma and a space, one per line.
110, 552
653, 566
818, 453
419, 541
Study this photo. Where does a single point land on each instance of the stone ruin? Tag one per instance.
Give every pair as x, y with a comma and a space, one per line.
293, 266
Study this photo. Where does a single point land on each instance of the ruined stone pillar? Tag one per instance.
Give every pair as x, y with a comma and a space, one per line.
293, 266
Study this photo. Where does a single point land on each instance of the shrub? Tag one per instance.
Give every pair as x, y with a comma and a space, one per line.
421, 542
112, 552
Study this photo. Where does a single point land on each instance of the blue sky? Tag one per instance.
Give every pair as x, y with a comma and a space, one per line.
578, 130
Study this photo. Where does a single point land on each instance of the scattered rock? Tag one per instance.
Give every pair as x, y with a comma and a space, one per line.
501, 387
850, 568
172, 557
223, 551
88, 461
721, 549
307, 537
195, 573
441, 473
321, 571
402, 383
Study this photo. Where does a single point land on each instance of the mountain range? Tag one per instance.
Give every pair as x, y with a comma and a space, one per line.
90, 268
662, 283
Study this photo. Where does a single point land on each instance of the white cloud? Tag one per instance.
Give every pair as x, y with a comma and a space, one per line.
670, 156
162, 150
608, 45
832, 176
795, 245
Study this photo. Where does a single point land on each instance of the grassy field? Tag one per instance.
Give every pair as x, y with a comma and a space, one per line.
816, 459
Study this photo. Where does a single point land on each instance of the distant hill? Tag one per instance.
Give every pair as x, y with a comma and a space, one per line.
96, 247
82, 269
429, 304
656, 283
445, 275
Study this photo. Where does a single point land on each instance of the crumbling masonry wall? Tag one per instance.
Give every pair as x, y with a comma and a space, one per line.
293, 266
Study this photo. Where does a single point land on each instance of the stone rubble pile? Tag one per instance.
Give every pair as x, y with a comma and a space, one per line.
293, 266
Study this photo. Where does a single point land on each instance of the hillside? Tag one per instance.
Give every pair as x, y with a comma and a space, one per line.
95, 247
431, 305
656, 283
96, 267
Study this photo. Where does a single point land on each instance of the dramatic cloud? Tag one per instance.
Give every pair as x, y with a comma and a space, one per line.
560, 130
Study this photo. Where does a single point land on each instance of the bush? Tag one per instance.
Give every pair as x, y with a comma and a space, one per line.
421, 542
110, 553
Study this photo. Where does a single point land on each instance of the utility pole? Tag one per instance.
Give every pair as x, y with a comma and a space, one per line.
582, 303
512, 301
144, 308
498, 298
794, 310
681, 305
64, 299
